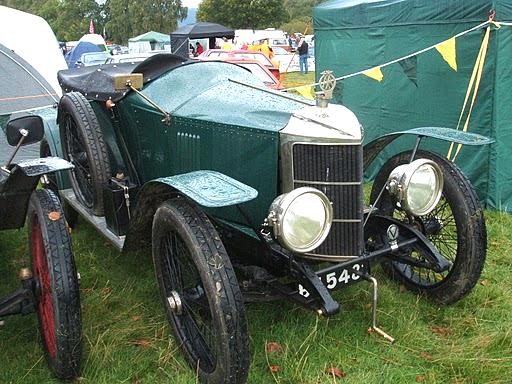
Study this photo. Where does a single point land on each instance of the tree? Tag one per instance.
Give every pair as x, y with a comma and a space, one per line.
69, 19
300, 14
123, 19
248, 14
127, 19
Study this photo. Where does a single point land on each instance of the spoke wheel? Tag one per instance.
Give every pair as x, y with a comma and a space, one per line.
84, 147
456, 227
200, 292
58, 302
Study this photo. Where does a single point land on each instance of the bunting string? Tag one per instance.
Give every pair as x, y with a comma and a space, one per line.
375, 69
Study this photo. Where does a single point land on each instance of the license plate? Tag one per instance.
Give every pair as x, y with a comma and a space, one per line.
338, 278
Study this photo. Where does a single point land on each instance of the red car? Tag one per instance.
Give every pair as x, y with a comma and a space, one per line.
242, 55
257, 69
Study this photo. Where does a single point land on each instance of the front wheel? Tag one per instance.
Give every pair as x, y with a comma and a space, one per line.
456, 227
200, 291
57, 293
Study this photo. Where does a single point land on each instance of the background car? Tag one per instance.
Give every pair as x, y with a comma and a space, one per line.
130, 57
243, 54
92, 58
257, 69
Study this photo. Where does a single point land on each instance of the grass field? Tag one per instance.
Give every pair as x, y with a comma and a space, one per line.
127, 339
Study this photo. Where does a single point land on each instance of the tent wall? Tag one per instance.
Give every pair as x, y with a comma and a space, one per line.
390, 29
180, 45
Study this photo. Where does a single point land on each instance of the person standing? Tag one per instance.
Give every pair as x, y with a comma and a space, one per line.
302, 49
199, 48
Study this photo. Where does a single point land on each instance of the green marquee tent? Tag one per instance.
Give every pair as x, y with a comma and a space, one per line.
354, 35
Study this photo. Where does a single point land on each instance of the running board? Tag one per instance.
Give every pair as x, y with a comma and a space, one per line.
97, 222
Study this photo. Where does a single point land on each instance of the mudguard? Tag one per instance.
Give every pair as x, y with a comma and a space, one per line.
373, 148
42, 166
207, 188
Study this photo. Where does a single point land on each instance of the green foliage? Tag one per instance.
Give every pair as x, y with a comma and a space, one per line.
131, 18
69, 19
122, 19
300, 16
298, 9
254, 14
303, 25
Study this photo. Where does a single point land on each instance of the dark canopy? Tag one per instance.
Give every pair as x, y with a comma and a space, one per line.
180, 38
22, 86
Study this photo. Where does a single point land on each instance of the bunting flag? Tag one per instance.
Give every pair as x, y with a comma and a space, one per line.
374, 73
448, 50
306, 91
410, 68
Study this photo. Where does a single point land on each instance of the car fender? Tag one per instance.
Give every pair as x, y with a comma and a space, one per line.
209, 189
52, 138
373, 148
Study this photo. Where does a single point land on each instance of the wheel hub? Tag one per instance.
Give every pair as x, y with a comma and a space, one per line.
433, 226
175, 304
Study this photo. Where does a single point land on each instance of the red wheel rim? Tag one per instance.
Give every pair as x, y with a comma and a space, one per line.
42, 274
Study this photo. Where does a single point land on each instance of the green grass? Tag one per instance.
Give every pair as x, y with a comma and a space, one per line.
127, 338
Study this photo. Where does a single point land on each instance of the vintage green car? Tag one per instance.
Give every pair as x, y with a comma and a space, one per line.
247, 193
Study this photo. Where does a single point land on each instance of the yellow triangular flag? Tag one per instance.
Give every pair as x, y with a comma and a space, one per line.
374, 73
447, 49
306, 91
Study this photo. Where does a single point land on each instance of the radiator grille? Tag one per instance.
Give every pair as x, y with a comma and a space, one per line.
336, 170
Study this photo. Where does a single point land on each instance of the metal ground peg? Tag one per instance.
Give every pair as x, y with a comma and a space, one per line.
374, 328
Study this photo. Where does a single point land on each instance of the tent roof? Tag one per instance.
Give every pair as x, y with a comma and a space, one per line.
203, 30
341, 14
151, 36
22, 86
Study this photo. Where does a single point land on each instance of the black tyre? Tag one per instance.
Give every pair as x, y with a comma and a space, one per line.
49, 181
456, 227
83, 146
58, 300
201, 295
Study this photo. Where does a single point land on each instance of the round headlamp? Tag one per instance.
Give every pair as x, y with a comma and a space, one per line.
301, 219
417, 186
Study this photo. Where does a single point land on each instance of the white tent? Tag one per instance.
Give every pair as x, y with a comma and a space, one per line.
31, 37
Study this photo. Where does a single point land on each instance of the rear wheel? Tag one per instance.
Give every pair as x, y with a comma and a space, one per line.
58, 301
456, 227
83, 146
201, 295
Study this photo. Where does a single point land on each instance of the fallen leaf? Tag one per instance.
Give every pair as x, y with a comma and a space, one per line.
420, 378
142, 343
426, 356
335, 372
442, 331
274, 368
484, 282
368, 306
87, 291
273, 347
106, 290
402, 288
135, 318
